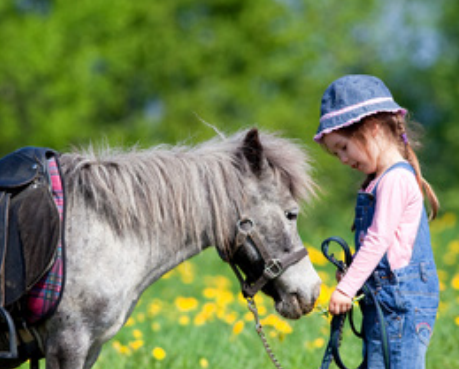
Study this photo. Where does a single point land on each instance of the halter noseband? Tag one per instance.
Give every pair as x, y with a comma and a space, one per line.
273, 267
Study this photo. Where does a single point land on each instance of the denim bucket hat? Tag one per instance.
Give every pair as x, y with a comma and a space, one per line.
351, 98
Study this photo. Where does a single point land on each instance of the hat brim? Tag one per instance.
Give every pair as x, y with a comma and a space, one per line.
319, 136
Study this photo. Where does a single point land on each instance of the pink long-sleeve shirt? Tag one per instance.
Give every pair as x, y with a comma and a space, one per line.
399, 204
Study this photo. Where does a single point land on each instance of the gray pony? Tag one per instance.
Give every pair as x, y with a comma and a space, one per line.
133, 216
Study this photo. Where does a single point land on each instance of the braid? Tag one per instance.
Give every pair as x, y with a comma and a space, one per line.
405, 138
405, 145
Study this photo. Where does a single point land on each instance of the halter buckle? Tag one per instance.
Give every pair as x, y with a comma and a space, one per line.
273, 269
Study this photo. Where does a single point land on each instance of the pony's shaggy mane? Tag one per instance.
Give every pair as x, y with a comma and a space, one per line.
179, 189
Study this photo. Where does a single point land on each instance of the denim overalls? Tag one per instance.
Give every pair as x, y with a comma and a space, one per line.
409, 296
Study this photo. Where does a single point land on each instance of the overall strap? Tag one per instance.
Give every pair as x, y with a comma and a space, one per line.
400, 164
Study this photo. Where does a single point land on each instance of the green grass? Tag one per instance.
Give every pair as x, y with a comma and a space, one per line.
197, 318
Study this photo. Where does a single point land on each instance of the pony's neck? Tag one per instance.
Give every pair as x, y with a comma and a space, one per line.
217, 231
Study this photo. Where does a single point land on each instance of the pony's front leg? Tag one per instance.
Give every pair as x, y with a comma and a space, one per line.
70, 349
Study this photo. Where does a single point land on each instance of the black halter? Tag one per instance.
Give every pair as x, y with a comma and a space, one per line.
273, 267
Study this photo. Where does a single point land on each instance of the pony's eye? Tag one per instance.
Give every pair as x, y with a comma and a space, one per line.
291, 214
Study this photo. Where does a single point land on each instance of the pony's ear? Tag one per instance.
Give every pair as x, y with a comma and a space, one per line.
253, 151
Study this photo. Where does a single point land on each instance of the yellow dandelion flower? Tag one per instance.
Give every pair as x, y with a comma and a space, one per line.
279, 324
262, 310
210, 293
158, 353
209, 309
318, 342
230, 318
184, 320
155, 327
316, 256
325, 294
186, 303
271, 320
200, 319
137, 333
221, 313
283, 327
116, 345
325, 277
442, 286
203, 363
224, 298
222, 282
455, 282
186, 271
238, 327
124, 350
241, 299
135, 345
248, 317
442, 275
130, 322
259, 299
168, 274
456, 320
140, 317
453, 246
154, 308
218, 281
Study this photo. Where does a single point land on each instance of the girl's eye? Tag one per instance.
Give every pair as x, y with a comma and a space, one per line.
291, 214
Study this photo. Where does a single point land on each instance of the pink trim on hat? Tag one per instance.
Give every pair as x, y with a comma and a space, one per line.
355, 106
319, 136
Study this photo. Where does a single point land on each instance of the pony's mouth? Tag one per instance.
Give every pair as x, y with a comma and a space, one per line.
293, 305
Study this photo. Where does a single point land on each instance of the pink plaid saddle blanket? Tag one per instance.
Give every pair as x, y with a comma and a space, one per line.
44, 297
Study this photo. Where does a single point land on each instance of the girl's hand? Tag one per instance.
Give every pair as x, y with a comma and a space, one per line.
339, 303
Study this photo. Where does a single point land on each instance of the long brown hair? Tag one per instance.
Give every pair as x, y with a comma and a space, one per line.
405, 134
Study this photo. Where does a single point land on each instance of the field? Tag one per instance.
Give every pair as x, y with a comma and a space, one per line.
195, 317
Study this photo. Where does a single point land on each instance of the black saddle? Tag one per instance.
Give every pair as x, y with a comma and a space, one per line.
29, 230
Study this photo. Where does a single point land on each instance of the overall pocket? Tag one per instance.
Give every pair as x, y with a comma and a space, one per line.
424, 320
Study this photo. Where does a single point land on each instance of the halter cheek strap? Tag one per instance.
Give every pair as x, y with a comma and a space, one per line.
273, 267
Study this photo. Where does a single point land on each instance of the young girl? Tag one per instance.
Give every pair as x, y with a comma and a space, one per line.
366, 129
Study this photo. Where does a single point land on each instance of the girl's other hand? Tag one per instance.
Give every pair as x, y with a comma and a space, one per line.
339, 303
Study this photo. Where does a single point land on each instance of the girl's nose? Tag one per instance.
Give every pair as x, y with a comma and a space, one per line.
343, 158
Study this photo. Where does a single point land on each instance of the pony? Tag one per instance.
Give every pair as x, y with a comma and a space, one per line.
133, 215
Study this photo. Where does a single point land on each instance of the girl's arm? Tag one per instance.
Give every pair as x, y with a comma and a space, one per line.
393, 230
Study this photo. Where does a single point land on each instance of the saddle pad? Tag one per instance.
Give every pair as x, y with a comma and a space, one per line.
33, 236
44, 297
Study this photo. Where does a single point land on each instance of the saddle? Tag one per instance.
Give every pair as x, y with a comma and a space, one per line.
29, 235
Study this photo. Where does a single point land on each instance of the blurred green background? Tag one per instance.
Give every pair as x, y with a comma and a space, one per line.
148, 72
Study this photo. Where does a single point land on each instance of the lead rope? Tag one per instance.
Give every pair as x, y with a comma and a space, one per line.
259, 328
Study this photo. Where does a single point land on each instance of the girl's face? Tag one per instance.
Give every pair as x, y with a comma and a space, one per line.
351, 152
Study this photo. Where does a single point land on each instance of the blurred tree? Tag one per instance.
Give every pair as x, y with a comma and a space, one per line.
148, 72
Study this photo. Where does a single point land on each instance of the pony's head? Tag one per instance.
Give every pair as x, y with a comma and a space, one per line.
266, 247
